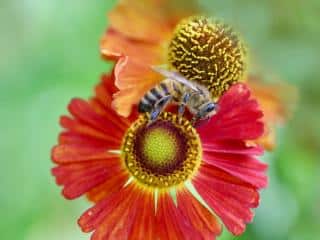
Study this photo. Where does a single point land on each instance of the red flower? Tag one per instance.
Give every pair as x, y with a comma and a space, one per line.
161, 181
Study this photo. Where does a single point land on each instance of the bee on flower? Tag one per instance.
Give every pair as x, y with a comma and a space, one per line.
207, 57
143, 178
149, 172
174, 35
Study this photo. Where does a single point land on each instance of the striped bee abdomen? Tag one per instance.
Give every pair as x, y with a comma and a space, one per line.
155, 94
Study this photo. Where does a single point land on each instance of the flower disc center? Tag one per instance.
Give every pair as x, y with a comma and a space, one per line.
207, 52
159, 146
162, 154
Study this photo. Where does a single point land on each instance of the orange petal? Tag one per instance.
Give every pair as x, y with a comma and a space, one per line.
101, 102
105, 89
114, 45
150, 20
268, 140
133, 80
277, 101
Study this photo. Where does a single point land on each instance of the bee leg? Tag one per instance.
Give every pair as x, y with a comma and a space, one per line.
182, 106
158, 107
195, 119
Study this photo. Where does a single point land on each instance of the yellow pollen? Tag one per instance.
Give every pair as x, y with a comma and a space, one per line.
159, 146
163, 154
208, 52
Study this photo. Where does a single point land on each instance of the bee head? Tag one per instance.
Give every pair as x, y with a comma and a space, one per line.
208, 110
205, 113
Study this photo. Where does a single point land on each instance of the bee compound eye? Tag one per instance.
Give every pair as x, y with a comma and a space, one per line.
211, 107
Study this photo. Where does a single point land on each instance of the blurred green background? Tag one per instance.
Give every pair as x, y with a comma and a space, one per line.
49, 54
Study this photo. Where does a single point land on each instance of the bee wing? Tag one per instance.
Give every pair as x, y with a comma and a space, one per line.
176, 77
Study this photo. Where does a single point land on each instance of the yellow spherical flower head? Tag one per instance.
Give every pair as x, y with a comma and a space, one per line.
208, 52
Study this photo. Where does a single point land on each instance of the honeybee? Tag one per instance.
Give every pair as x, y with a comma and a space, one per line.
177, 89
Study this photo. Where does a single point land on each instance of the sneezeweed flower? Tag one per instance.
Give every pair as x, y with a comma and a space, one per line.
174, 34
165, 180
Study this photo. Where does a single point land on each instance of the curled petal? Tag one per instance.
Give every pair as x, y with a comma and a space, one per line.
103, 100
115, 45
238, 117
133, 80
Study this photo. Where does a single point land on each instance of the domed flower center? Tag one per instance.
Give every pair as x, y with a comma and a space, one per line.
159, 144
162, 154
208, 52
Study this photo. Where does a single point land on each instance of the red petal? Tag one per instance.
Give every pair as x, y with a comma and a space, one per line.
171, 224
79, 178
238, 117
231, 146
81, 110
229, 197
68, 153
144, 223
117, 216
71, 137
112, 184
85, 131
244, 167
200, 218
93, 217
